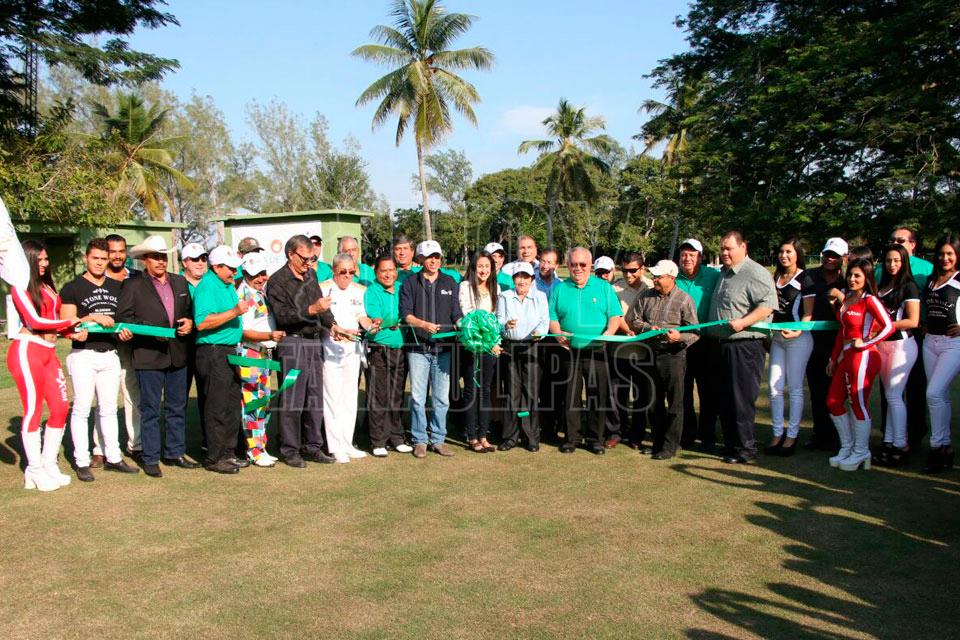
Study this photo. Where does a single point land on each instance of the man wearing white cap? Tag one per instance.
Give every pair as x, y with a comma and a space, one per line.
429, 305
217, 312
817, 305
162, 299
193, 256
499, 255
666, 307
698, 281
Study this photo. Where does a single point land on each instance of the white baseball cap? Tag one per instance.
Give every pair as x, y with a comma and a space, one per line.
523, 267
603, 262
493, 247
428, 248
254, 263
193, 251
224, 255
693, 243
837, 246
665, 268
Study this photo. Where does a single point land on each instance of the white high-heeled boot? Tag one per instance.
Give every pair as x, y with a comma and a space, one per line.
51, 449
861, 447
35, 477
845, 431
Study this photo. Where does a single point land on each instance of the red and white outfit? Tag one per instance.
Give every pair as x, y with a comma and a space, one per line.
855, 369
36, 370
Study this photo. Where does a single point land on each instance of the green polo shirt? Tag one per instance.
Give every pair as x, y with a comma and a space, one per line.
365, 275
380, 303
324, 271
584, 310
504, 281
700, 288
919, 268
213, 295
740, 290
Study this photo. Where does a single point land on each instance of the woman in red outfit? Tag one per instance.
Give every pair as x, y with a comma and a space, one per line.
864, 322
35, 367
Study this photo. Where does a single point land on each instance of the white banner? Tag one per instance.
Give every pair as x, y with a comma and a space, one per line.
273, 237
14, 268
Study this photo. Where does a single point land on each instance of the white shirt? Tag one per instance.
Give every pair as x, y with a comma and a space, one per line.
346, 305
532, 314
469, 303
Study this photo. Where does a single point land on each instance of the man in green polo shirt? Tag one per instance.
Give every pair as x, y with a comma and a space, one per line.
698, 280
324, 271
217, 311
350, 246
587, 306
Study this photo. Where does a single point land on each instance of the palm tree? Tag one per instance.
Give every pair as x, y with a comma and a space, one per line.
423, 85
569, 156
138, 154
669, 125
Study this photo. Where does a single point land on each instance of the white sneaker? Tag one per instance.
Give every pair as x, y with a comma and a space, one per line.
356, 453
341, 458
380, 452
403, 448
265, 461
269, 457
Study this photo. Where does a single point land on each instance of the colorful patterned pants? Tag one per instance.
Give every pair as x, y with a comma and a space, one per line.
256, 384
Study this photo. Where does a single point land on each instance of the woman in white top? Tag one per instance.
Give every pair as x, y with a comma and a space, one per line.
341, 357
478, 291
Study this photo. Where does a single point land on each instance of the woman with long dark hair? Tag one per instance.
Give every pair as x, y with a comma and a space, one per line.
941, 348
855, 363
790, 349
479, 290
898, 353
35, 367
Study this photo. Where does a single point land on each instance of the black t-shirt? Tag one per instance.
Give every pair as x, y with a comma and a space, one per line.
941, 302
790, 298
817, 288
894, 301
91, 298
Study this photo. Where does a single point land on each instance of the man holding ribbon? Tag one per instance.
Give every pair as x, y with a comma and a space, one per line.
665, 306
160, 300
586, 307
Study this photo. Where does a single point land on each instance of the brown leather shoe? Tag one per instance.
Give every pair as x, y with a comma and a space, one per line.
420, 451
96, 462
442, 449
612, 442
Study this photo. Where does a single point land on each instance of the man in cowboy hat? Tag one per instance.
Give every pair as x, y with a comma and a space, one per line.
159, 299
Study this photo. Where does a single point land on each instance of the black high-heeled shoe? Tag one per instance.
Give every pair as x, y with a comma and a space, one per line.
947, 457
786, 452
882, 457
774, 449
935, 461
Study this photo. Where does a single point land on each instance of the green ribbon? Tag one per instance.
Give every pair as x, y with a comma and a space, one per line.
136, 329
262, 363
288, 381
814, 325
523, 414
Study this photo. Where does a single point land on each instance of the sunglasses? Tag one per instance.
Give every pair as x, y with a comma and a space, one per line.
202, 258
631, 271
346, 272
579, 265
432, 256
900, 240
602, 272
307, 259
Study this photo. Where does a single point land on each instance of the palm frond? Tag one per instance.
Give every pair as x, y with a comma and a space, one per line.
479, 58
392, 38
381, 54
446, 28
543, 146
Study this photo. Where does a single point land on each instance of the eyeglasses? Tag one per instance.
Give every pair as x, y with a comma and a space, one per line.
346, 272
579, 265
306, 259
631, 271
899, 240
202, 258
602, 272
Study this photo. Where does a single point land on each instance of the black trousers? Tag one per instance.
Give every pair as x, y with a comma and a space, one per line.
221, 383
301, 406
554, 372
742, 365
588, 372
522, 360
668, 380
824, 433
703, 426
201, 392
478, 388
386, 374
629, 374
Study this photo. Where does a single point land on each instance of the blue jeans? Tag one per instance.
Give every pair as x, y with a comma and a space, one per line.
433, 370
171, 385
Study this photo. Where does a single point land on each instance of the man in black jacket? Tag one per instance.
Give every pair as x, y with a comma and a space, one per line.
303, 313
159, 299
429, 305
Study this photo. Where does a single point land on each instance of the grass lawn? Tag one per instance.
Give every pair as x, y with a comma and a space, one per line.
506, 545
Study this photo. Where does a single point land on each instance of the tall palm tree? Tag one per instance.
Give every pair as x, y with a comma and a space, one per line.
669, 126
568, 157
423, 85
141, 158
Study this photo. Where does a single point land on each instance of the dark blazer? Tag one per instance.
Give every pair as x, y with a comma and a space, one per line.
140, 304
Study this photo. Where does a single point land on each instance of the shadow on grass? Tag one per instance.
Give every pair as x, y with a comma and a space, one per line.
877, 550
9, 451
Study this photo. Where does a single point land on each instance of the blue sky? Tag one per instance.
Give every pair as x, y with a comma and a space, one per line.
593, 53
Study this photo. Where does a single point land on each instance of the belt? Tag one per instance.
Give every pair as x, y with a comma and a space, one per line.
297, 334
255, 347
231, 347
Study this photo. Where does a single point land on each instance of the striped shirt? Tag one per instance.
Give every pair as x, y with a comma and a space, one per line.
673, 310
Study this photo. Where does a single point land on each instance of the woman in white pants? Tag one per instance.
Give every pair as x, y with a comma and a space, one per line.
341, 357
790, 349
898, 353
941, 349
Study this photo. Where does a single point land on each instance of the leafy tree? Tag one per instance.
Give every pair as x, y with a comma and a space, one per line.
647, 196
506, 204
423, 85
450, 174
284, 149
568, 157
138, 157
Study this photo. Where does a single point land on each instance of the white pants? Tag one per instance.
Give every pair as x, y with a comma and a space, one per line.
341, 383
97, 374
897, 358
941, 360
788, 366
130, 390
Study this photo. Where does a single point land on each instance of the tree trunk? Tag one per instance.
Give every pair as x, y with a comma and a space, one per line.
427, 226
675, 237
551, 206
